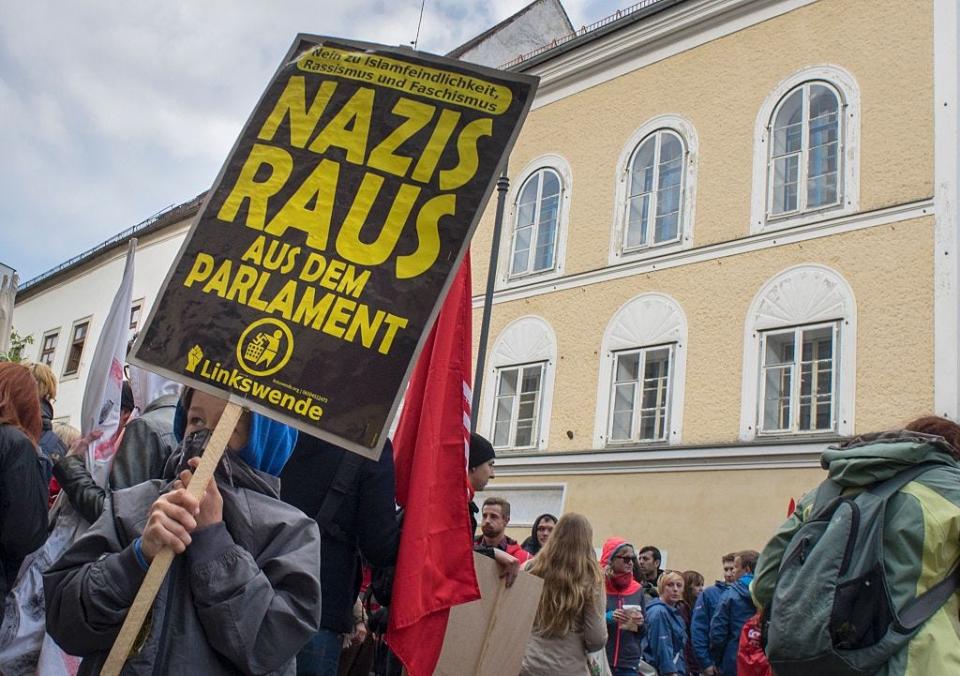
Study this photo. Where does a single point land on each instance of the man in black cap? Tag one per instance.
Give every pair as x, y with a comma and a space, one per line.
480, 472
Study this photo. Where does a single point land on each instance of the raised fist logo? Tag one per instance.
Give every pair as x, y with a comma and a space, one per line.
194, 357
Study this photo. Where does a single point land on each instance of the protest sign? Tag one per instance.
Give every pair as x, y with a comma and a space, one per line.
488, 637
314, 270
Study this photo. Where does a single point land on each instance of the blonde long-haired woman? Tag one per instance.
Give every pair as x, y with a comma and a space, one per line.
569, 621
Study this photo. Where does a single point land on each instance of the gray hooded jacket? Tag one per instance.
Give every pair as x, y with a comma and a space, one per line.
244, 598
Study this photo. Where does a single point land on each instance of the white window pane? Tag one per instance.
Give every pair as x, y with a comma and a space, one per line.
787, 131
779, 349
508, 382
521, 251
551, 184
525, 213
621, 426
666, 227
671, 150
642, 169
524, 433
529, 193
776, 404
628, 366
531, 379
638, 210
822, 190
785, 179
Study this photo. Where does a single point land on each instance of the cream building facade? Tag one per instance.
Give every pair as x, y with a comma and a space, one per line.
729, 242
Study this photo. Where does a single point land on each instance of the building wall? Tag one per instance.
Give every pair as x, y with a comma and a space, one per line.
895, 327
883, 249
694, 517
88, 292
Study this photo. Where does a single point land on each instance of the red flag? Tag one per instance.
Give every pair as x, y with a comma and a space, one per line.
435, 564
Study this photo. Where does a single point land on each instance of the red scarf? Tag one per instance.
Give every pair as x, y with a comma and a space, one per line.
622, 584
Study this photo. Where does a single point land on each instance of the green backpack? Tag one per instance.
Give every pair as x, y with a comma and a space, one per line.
831, 611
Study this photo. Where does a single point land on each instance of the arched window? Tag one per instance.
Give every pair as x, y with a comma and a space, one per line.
806, 152
654, 191
518, 386
800, 356
806, 156
642, 367
536, 220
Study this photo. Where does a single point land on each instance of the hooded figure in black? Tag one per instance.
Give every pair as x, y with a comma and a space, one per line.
542, 527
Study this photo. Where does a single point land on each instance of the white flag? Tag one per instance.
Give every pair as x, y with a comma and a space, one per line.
100, 410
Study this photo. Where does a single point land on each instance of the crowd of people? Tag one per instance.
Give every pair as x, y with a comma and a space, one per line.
290, 521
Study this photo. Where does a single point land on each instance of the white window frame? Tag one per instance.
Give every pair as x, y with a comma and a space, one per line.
848, 182
683, 128
801, 296
561, 168
43, 341
535, 226
795, 381
526, 340
646, 321
804, 152
638, 396
520, 370
65, 375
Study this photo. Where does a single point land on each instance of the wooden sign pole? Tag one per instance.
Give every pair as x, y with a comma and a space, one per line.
161, 562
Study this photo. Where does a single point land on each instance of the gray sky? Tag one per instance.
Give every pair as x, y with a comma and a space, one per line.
112, 111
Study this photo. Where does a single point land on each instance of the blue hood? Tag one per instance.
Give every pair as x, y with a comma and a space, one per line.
268, 448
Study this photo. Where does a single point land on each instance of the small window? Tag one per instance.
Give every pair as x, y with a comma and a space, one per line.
654, 192
535, 225
48, 347
136, 311
641, 394
517, 406
76, 347
805, 152
798, 379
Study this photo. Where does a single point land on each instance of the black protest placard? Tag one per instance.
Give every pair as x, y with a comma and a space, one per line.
313, 271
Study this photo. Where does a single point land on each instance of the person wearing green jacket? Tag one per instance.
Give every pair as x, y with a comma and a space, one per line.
921, 536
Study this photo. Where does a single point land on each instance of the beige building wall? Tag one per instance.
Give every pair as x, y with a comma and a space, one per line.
888, 268
695, 517
720, 87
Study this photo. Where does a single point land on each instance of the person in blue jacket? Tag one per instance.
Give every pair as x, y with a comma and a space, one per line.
666, 630
733, 611
704, 610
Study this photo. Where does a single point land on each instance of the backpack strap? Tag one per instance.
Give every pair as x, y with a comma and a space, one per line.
920, 609
344, 483
885, 489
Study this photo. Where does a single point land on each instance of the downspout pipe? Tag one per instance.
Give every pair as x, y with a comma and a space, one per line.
503, 185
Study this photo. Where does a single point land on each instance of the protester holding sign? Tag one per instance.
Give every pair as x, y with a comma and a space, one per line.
245, 596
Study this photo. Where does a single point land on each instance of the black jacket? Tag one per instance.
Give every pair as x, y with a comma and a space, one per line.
23, 503
53, 449
367, 517
147, 443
